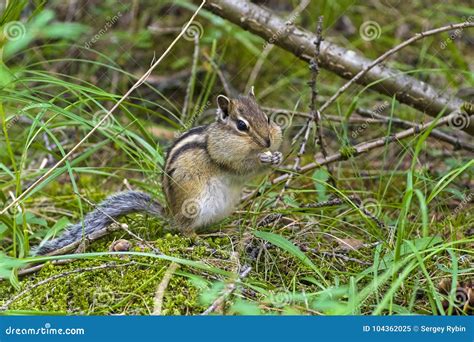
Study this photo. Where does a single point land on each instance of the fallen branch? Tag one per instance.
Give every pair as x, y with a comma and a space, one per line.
345, 63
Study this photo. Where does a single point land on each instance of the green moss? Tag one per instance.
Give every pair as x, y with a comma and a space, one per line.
116, 290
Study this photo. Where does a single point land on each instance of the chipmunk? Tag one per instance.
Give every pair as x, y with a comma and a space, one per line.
205, 171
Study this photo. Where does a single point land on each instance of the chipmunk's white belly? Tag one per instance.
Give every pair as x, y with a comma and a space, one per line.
218, 200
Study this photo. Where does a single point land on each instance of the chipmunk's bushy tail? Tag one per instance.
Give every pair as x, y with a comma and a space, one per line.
113, 207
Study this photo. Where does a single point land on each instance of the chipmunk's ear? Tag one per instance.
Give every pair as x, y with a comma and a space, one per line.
252, 92
223, 104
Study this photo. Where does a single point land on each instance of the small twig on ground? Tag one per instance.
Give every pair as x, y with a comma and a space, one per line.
230, 288
333, 254
160, 291
270, 218
6, 305
37, 268
343, 257
89, 238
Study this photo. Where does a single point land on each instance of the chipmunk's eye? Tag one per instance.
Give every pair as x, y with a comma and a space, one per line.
242, 126
268, 119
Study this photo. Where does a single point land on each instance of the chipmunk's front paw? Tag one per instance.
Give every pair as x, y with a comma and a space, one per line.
273, 158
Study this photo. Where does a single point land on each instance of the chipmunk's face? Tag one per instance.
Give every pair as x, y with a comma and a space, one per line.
247, 122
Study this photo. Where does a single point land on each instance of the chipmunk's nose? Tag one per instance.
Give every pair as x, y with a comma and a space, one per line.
268, 142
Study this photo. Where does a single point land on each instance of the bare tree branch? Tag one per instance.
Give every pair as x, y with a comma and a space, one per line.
346, 63
370, 145
435, 133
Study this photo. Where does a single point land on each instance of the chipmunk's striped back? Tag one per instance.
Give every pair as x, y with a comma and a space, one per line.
193, 139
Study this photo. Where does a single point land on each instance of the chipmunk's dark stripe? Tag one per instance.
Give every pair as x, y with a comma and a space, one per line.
192, 131
186, 147
170, 172
195, 135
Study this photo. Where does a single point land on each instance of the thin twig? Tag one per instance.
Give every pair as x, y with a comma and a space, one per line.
370, 145
314, 113
106, 116
333, 254
37, 268
389, 53
89, 238
343, 257
435, 133
160, 291
228, 291
332, 118
5, 305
